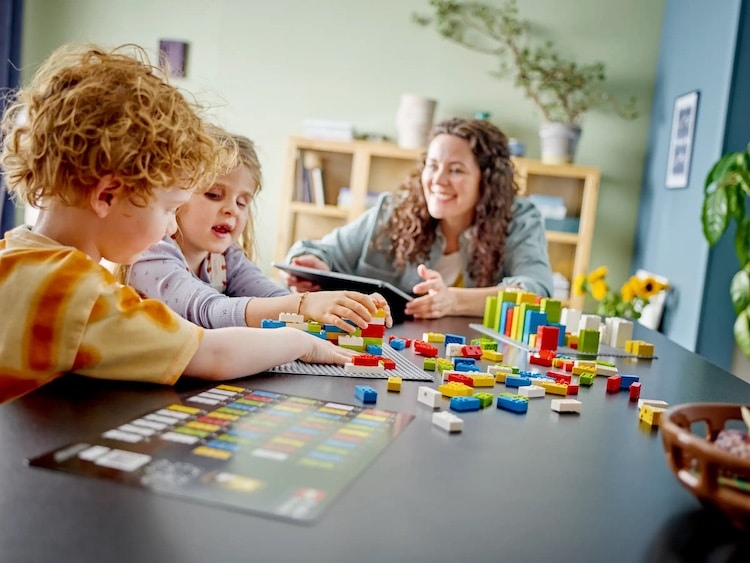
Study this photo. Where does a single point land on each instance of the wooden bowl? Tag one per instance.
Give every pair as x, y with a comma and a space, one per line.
714, 475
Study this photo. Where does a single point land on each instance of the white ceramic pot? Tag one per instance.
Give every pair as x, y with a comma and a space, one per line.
558, 142
414, 120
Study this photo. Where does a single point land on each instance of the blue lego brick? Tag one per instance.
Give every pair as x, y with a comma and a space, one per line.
374, 349
466, 367
365, 393
503, 315
628, 380
534, 319
463, 404
321, 334
330, 329
270, 323
463, 361
517, 381
454, 339
513, 403
398, 343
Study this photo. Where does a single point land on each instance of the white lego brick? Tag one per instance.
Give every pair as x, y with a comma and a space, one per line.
304, 327
605, 370
352, 368
448, 421
622, 331
291, 318
570, 318
653, 402
566, 405
429, 396
589, 322
494, 370
531, 391
377, 321
351, 341
453, 349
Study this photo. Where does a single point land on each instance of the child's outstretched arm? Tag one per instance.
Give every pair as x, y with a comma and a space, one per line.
325, 307
229, 353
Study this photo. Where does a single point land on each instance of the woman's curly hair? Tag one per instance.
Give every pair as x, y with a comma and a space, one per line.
411, 231
89, 112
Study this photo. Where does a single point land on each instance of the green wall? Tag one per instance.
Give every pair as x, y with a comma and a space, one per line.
264, 66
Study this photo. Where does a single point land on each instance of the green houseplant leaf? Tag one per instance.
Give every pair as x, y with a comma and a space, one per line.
726, 189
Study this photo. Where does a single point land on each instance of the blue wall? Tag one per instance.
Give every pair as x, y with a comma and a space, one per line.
698, 45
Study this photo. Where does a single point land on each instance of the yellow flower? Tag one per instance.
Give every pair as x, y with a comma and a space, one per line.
651, 286
599, 289
578, 284
598, 274
628, 291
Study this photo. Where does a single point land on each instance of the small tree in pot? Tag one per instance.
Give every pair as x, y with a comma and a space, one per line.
562, 90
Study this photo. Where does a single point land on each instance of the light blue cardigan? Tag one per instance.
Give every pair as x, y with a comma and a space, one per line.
348, 249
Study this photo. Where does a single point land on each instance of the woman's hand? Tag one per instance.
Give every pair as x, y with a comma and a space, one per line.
332, 307
437, 299
308, 261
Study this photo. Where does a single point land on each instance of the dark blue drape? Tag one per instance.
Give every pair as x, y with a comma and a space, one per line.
10, 62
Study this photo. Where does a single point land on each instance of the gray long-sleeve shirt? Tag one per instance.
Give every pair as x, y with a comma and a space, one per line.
162, 273
348, 249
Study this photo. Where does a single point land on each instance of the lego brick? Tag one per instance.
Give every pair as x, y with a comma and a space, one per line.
394, 384
365, 393
349, 367
397, 343
270, 323
516, 381
374, 349
650, 415
635, 391
482, 380
291, 318
566, 405
653, 402
365, 360
613, 383
447, 421
513, 403
429, 396
455, 389
453, 349
429, 364
531, 391
465, 404
485, 399
586, 378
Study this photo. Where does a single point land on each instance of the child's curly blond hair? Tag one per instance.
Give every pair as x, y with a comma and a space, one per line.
89, 112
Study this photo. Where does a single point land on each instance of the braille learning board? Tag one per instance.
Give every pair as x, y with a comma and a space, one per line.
245, 449
405, 368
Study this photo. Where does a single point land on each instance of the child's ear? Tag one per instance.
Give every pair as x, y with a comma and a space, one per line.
104, 194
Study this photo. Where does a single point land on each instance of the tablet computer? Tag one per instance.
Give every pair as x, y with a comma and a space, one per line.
328, 280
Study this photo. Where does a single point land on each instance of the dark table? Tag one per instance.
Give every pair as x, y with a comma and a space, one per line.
534, 487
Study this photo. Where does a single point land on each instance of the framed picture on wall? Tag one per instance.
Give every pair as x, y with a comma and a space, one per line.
681, 139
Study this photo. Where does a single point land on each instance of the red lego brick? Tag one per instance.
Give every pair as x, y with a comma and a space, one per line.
471, 352
461, 378
424, 349
373, 331
540, 360
560, 377
365, 360
635, 390
572, 389
613, 383
547, 337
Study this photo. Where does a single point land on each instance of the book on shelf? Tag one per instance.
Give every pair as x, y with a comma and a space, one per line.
313, 165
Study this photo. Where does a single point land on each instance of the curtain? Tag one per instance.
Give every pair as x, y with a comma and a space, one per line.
10, 62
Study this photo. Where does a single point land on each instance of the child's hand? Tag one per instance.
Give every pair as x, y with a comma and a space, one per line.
308, 261
332, 307
439, 300
324, 352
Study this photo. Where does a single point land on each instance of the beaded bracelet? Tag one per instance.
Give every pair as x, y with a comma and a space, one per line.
301, 299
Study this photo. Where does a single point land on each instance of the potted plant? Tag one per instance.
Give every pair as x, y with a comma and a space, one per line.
727, 185
562, 90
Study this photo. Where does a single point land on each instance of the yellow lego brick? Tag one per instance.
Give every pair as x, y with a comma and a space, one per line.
434, 337
394, 384
645, 349
483, 380
532, 340
629, 346
492, 355
380, 313
571, 340
525, 297
651, 415
455, 389
555, 388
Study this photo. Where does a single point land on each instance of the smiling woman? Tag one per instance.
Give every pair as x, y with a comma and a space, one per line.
453, 234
